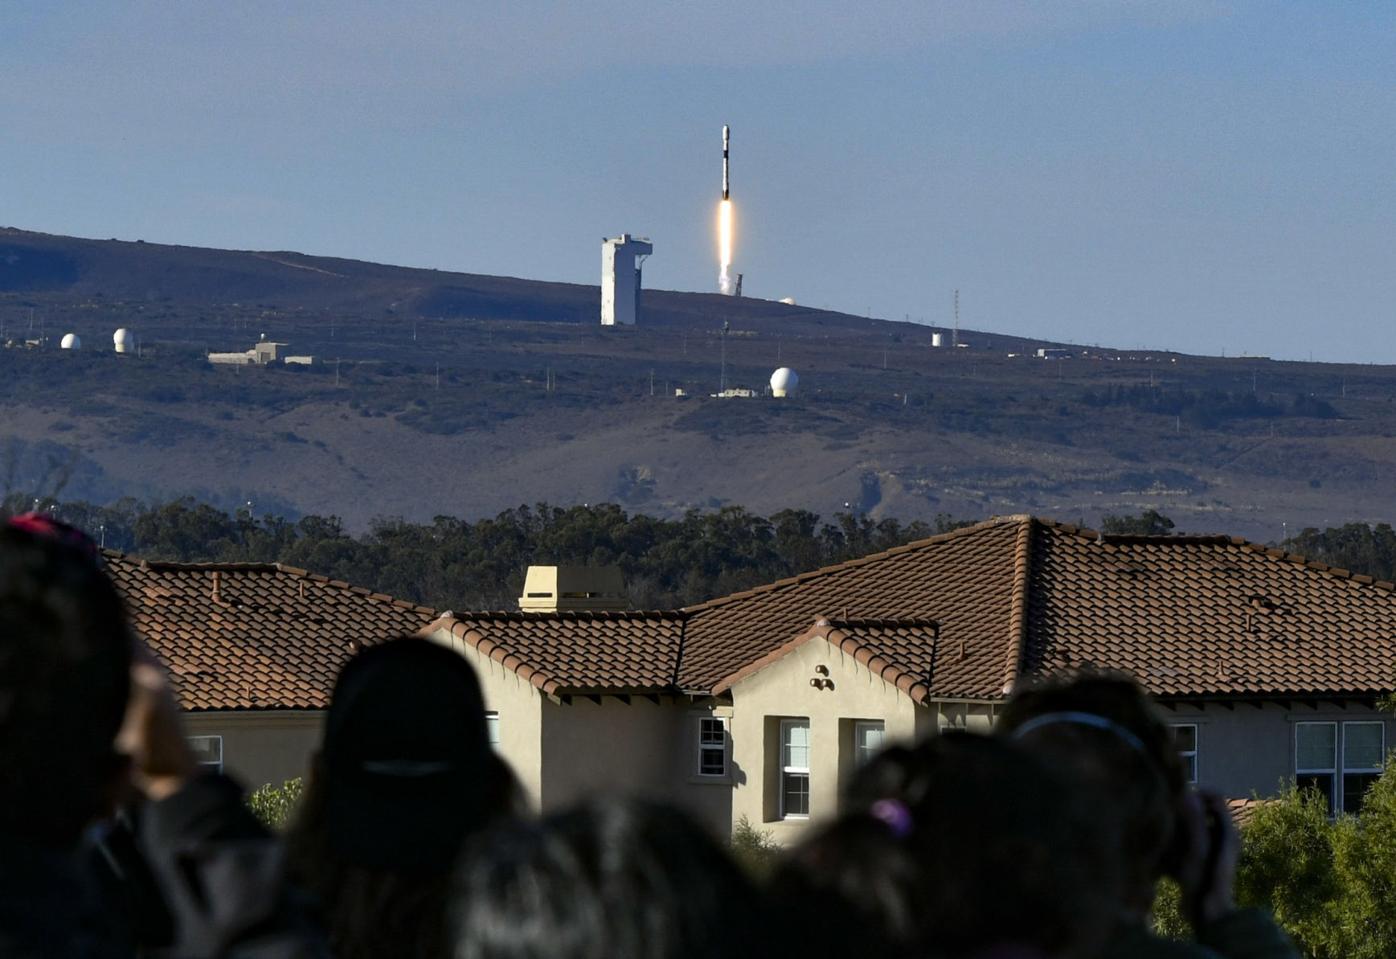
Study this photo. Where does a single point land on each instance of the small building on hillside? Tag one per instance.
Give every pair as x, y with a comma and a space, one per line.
264, 353
253, 650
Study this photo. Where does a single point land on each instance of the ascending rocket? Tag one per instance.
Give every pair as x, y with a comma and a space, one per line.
726, 134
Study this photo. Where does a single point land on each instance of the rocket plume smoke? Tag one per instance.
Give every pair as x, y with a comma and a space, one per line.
724, 246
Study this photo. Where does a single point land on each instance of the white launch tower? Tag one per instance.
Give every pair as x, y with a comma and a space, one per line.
621, 258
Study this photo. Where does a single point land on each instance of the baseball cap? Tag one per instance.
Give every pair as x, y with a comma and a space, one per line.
406, 756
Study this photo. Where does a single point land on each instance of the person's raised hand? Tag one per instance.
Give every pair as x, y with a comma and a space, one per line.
152, 734
1207, 873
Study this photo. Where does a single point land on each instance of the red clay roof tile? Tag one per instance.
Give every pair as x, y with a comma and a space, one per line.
1200, 616
253, 635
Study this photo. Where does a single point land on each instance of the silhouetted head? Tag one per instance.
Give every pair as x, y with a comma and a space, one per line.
65, 666
958, 846
405, 774
1102, 730
614, 880
406, 762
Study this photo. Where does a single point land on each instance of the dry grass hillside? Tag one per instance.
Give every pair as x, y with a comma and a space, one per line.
442, 393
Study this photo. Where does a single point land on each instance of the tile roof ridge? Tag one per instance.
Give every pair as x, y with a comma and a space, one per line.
174, 565
535, 615
1337, 572
507, 658
1169, 539
1018, 615
936, 540
888, 622
879, 665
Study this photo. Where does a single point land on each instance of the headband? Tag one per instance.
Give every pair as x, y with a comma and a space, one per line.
1083, 719
46, 527
893, 814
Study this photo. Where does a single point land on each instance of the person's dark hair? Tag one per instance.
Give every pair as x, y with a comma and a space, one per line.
65, 665
405, 774
613, 880
951, 847
1128, 757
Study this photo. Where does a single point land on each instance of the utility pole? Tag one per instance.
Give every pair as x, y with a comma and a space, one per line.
651, 382
955, 337
722, 338
438, 376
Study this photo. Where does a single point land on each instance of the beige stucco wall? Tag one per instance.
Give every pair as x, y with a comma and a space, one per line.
519, 705
262, 747
783, 690
634, 748
1249, 749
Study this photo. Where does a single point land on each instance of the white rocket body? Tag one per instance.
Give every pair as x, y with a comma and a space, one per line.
726, 137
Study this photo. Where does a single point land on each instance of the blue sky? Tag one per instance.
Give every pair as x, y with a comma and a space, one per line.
1181, 174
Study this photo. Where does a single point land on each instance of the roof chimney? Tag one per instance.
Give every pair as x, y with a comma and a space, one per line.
554, 589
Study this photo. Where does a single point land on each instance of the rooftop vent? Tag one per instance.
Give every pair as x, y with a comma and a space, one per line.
552, 589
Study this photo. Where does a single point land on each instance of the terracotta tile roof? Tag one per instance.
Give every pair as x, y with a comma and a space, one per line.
1242, 810
254, 635
1207, 616
964, 581
578, 651
966, 614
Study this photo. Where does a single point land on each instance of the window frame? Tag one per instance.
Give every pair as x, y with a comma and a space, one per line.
1334, 791
1344, 770
722, 748
1196, 751
492, 728
213, 738
787, 770
861, 754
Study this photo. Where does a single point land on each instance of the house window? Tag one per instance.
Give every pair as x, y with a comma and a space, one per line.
794, 768
1185, 739
1316, 759
712, 746
867, 739
1364, 750
492, 728
1317, 749
208, 752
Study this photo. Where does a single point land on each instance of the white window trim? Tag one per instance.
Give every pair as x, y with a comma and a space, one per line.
1196, 751
1358, 770
1336, 794
492, 729
217, 766
786, 724
859, 725
702, 748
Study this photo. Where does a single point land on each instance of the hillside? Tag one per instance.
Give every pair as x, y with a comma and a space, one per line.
445, 393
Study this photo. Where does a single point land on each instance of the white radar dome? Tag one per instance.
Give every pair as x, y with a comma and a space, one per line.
70, 341
784, 381
123, 340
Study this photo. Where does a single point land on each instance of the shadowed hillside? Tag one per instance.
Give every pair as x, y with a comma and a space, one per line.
449, 393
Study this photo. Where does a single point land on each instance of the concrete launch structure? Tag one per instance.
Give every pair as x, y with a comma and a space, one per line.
621, 258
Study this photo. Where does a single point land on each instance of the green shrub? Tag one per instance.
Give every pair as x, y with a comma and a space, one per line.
754, 849
274, 805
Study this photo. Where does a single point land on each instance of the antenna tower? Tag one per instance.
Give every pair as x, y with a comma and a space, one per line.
955, 337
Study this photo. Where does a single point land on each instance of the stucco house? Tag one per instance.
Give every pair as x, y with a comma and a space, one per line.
758, 704
253, 650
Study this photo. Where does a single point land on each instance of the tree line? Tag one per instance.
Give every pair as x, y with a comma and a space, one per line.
459, 564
